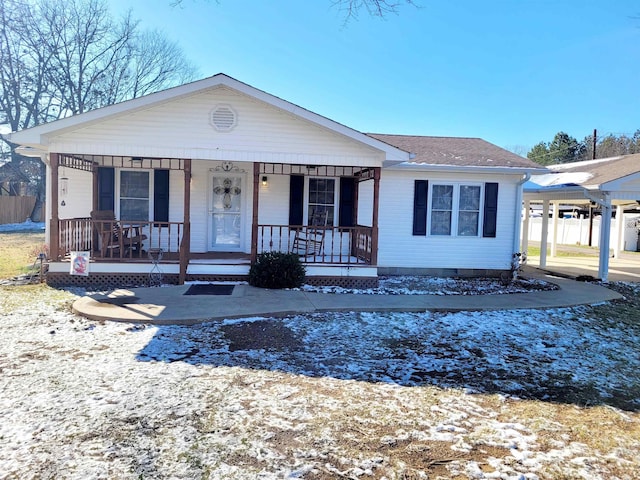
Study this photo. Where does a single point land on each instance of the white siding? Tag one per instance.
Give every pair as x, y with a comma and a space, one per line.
181, 129
398, 247
77, 203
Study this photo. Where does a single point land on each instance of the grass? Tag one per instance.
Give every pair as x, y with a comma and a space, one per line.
564, 251
18, 252
341, 425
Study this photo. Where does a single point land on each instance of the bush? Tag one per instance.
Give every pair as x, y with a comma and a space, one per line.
277, 270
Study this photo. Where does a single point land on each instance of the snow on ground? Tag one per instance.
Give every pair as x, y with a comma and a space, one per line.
347, 395
424, 285
27, 226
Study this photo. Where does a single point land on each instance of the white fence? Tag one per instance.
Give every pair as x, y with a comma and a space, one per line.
575, 231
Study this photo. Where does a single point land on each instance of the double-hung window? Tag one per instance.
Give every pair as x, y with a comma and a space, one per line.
455, 210
135, 195
322, 198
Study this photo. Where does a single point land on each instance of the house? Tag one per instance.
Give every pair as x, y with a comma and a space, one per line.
602, 183
214, 172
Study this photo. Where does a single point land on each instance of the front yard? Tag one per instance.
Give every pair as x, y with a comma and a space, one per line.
525, 394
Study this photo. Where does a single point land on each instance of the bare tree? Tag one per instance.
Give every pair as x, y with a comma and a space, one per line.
63, 57
375, 8
352, 8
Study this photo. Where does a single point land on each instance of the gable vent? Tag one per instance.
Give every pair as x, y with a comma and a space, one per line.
223, 118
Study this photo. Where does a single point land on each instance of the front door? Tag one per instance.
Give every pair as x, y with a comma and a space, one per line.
225, 212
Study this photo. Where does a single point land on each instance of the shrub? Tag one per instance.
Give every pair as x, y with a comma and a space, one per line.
277, 270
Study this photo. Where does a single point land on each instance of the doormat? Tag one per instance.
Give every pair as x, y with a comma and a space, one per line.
209, 289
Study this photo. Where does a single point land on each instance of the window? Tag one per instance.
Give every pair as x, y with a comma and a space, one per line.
322, 198
134, 195
469, 211
455, 210
441, 209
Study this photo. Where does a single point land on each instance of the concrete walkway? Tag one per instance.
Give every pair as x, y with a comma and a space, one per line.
169, 305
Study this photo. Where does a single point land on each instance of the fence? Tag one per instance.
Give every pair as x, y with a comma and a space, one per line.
575, 231
16, 209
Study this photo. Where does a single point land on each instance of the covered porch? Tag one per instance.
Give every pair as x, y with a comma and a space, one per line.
166, 243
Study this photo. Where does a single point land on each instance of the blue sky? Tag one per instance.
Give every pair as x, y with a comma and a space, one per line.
511, 72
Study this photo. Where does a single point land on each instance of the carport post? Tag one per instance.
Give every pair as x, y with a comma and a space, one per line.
619, 246
554, 237
544, 234
525, 227
605, 237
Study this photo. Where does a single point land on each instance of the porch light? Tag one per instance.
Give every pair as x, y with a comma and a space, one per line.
64, 187
264, 180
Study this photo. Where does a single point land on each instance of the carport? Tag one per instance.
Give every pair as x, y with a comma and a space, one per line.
608, 183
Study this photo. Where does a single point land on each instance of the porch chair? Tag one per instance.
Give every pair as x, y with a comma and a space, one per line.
309, 240
114, 240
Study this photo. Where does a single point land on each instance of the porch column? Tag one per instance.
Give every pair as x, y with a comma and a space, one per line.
185, 245
619, 246
376, 209
254, 216
524, 245
605, 238
554, 237
544, 234
54, 223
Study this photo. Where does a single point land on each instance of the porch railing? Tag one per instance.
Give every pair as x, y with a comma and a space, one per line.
340, 245
82, 234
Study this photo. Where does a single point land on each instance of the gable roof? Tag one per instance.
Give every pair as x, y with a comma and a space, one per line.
37, 137
595, 173
457, 152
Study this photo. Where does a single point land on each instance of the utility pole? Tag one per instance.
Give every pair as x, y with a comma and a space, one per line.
595, 136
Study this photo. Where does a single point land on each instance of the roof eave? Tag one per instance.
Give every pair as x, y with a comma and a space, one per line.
462, 168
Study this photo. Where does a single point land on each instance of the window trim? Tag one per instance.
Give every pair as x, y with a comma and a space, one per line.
455, 207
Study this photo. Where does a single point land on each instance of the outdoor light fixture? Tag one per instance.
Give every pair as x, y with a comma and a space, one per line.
64, 187
137, 161
264, 180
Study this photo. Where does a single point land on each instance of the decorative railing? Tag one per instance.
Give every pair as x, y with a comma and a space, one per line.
339, 245
110, 240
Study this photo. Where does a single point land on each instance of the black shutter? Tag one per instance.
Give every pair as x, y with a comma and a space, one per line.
161, 195
347, 196
106, 188
420, 193
489, 225
296, 199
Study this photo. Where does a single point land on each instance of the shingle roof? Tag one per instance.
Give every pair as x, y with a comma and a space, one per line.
602, 170
456, 151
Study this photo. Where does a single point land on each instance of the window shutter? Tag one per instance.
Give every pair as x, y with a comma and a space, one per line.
347, 197
161, 195
296, 199
489, 225
106, 188
420, 193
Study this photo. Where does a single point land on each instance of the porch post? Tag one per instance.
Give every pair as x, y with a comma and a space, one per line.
54, 223
185, 245
376, 209
254, 216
